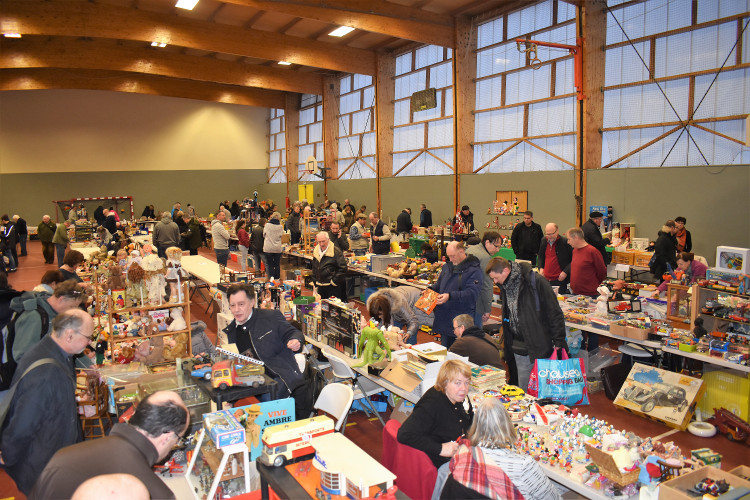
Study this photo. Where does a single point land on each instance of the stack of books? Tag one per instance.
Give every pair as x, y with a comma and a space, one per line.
487, 377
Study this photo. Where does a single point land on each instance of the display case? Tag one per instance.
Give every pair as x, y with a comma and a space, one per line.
679, 303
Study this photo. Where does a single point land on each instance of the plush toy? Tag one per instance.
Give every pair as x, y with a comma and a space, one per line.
178, 321
601, 300
116, 281
175, 274
127, 354
176, 347
395, 339
154, 278
375, 346
150, 351
133, 325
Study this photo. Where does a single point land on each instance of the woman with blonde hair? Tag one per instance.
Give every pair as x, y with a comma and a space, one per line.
491, 449
442, 415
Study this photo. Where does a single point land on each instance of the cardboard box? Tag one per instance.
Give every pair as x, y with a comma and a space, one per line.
622, 258
126, 396
732, 278
630, 331
402, 411
726, 390
676, 488
641, 259
660, 395
733, 259
379, 263
741, 471
407, 380
223, 428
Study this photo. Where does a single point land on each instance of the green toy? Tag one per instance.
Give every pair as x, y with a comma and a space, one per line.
374, 342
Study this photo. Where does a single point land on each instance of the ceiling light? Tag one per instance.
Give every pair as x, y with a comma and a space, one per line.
158, 44
186, 4
341, 31
284, 63
12, 35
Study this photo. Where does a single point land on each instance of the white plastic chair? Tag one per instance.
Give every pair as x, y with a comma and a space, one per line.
336, 400
363, 389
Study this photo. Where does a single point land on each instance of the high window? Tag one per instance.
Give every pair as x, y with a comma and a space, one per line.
276, 146
310, 134
356, 128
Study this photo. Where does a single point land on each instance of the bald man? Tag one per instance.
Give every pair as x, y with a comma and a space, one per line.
112, 487
328, 268
43, 414
155, 428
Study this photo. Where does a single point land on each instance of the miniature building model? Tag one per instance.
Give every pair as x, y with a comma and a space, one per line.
345, 469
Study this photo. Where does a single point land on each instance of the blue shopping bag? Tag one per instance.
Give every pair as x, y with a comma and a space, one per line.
562, 380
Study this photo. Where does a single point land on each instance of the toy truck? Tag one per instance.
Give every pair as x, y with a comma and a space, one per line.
228, 373
288, 441
730, 424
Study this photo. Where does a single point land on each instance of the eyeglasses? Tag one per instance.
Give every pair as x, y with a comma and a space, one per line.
181, 440
90, 338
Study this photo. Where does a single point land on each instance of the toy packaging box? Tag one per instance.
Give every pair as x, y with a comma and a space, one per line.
733, 259
223, 428
660, 395
255, 418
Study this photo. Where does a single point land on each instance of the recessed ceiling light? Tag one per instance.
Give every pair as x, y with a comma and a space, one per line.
341, 31
186, 4
158, 44
12, 35
284, 63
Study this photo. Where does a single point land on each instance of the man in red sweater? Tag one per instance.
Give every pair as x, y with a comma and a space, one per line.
587, 269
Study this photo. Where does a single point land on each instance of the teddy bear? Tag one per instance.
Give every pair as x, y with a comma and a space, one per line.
116, 280
127, 354
177, 320
176, 347
151, 351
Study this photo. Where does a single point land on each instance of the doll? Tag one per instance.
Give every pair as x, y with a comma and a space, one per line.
175, 274
601, 300
515, 206
136, 291
155, 282
122, 259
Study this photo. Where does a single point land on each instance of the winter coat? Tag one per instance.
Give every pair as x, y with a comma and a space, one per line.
665, 252
402, 300
425, 218
563, 251
542, 326
256, 239
464, 284
220, 235
349, 219
199, 341
46, 231
9, 235
61, 235
468, 220
525, 241
357, 241
293, 222
192, 234
268, 335
593, 237
272, 236
403, 222
383, 232
341, 241
243, 238
484, 304
29, 322
479, 347
166, 233
329, 267
21, 228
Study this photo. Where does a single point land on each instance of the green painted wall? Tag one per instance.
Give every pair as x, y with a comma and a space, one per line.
31, 195
714, 200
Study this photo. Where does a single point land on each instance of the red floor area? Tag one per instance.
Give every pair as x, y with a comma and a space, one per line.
366, 432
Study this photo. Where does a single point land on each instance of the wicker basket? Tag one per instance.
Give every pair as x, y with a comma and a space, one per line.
608, 469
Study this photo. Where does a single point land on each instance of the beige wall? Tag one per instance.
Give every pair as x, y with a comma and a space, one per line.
91, 131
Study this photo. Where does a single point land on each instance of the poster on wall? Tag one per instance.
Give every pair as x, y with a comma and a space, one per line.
608, 219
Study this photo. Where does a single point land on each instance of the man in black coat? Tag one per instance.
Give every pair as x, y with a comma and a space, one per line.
593, 235
22, 233
328, 268
264, 334
555, 256
533, 323
404, 224
466, 217
526, 237
665, 250
425, 216
474, 343
43, 414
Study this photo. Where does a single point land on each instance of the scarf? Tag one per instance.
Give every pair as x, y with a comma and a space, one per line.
512, 287
470, 468
681, 237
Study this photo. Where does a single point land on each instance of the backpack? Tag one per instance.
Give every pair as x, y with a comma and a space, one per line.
8, 362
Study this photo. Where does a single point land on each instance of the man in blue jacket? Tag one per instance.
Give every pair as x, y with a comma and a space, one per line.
458, 289
264, 334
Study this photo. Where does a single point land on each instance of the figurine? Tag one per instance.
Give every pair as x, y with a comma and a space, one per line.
601, 300
504, 208
375, 346
155, 282
515, 206
175, 273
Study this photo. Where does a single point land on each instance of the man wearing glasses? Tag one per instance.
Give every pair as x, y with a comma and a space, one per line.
152, 432
43, 415
489, 246
555, 256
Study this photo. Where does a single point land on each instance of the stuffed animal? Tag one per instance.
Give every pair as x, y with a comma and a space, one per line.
133, 325
116, 280
127, 354
178, 321
176, 347
150, 351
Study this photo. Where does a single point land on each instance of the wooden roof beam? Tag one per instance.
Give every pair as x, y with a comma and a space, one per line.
85, 54
86, 19
118, 81
376, 16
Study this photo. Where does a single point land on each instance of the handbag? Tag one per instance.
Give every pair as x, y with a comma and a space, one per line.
427, 301
562, 380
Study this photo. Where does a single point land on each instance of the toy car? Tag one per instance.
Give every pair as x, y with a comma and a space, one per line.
202, 371
657, 396
512, 391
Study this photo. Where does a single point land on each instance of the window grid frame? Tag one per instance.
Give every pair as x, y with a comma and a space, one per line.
348, 119
279, 170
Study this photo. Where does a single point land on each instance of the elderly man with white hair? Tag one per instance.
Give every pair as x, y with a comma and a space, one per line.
328, 268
